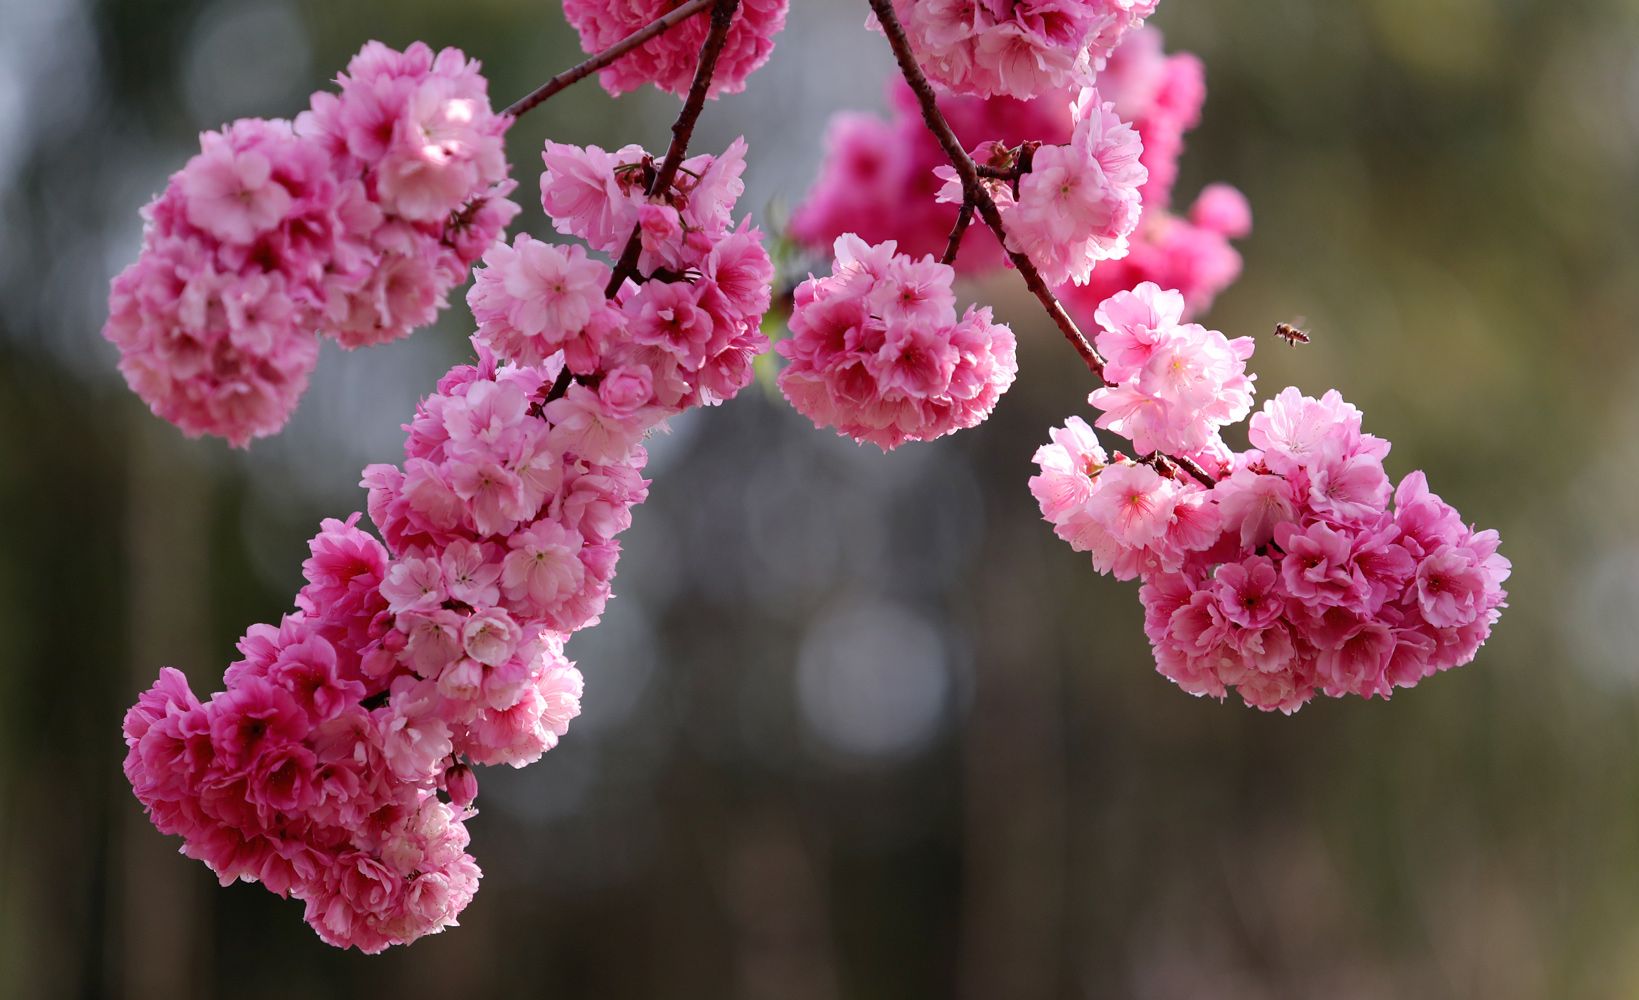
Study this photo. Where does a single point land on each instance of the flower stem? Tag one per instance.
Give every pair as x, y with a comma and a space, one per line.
963, 217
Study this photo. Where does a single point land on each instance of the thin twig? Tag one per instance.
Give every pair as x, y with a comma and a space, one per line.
963, 217
722, 16
971, 184
574, 75
1193, 467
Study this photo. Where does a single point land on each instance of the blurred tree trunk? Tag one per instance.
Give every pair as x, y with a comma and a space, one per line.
163, 903
1013, 786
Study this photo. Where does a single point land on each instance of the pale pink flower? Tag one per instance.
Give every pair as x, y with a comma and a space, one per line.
1133, 503
471, 573
535, 299
544, 565
490, 636
912, 371
229, 189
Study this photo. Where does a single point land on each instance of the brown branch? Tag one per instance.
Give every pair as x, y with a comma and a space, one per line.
972, 185
722, 15
578, 73
974, 191
963, 217
560, 388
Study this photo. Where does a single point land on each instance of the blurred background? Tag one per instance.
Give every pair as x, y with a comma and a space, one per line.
860, 726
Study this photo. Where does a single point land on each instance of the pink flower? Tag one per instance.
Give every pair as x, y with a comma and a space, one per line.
1172, 386
877, 352
1021, 50
414, 585
1253, 505
1247, 593
471, 573
1319, 566
1133, 503
583, 196
1221, 208
231, 192
544, 565
668, 60
490, 636
1067, 467
1451, 587
535, 299
584, 424
414, 739
1291, 427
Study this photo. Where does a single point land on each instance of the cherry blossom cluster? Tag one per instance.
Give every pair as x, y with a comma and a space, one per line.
1170, 386
686, 336
336, 765
990, 48
354, 222
877, 352
668, 60
1291, 573
876, 179
316, 771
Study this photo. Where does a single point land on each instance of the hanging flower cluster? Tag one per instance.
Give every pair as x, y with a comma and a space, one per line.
409, 662
354, 223
1291, 574
877, 352
989, 48
315, 772
336, 764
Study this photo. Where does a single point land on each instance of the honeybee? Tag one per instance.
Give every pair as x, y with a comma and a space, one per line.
1293, 333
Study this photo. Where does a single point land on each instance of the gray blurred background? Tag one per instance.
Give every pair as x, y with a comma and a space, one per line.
860, 726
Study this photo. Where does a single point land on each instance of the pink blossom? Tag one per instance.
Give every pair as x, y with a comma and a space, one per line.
535, 299
1171, 386
1291, 575
668, 60
543, 566
490, 636
414, 585
1020, 50
231, 192
877, 351
1253, 505
471, 571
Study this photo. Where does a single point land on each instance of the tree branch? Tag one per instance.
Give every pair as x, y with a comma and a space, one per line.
974, 191
963, 217
574, 75
722, 15
971, 183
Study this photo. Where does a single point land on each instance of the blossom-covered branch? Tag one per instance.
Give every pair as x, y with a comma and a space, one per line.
973, 189
574, 75
722, 17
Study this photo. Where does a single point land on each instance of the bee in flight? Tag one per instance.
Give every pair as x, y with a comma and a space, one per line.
1293, 333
